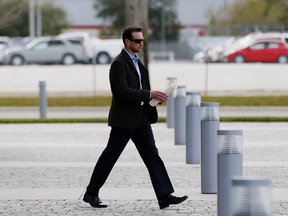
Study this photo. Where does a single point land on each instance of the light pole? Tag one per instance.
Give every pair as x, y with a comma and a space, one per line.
163, 27
39, 18
31, 18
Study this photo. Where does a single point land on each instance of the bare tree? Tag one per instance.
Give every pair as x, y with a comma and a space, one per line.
11, 11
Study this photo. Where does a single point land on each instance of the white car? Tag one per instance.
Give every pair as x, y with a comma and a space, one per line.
2, 48
4, 43
102, 51
46, 50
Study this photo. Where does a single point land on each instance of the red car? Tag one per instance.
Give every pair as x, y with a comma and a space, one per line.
268, 50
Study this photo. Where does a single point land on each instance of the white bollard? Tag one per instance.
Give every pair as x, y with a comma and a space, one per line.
229, 163
251, 196
209, 127
180, 116
193, 128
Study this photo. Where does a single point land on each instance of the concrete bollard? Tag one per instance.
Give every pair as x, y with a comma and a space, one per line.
229, 163
180, 116
170, 104
193, 128
251, 196
42, 99
209, 127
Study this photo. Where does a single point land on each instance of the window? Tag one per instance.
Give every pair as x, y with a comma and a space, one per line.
41, 45
55, 43
272, 45
81, 39
74, 41
258, 46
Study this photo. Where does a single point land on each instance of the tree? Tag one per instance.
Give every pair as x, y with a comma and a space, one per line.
10, 11
164, 11
160, 11
53, 18
250, 12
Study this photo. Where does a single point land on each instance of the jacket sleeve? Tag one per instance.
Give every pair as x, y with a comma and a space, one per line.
125, 82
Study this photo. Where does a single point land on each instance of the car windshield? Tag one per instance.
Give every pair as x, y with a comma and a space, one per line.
41, 45
34, 42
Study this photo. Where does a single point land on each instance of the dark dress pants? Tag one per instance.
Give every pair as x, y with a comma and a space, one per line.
142, 137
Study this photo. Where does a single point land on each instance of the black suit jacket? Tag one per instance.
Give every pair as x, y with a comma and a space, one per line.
125, 110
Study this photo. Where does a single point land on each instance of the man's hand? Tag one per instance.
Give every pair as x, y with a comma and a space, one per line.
160, 96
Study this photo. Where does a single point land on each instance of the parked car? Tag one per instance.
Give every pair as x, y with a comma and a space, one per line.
248, 39
2, 48
262, 50
102, 51
4, 40
215, 52
46, 50
4, 43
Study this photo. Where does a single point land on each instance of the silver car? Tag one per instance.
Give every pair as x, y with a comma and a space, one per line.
46, 50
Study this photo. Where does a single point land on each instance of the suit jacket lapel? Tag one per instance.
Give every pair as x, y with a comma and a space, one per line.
131, 63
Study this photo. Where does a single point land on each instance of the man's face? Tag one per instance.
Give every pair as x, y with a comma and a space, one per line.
136, 43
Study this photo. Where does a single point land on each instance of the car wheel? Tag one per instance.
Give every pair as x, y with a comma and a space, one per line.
282, 59
103, 58
17, 60
239, 59
68, 59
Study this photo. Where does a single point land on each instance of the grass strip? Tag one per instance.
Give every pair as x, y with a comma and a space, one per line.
56, 101
106, 101
254, 119
53, 120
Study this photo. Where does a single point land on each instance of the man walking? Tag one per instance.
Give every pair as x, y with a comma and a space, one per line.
130, 117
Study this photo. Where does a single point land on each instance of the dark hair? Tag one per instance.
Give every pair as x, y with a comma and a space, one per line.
127, 32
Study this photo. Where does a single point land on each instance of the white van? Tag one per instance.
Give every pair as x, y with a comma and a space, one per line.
102, 51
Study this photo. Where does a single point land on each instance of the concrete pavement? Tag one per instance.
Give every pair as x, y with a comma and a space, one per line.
44, 169
100, 112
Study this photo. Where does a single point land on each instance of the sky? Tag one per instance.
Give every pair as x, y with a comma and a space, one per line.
190, 12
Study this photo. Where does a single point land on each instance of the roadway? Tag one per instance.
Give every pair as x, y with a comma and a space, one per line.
102, 112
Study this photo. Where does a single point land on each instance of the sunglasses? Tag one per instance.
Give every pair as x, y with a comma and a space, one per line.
137, 41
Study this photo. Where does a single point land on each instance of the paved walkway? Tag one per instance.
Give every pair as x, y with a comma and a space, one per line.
98, 112
44, 169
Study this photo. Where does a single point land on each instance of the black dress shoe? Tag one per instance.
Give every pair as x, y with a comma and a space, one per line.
169, 200
94, 201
